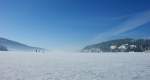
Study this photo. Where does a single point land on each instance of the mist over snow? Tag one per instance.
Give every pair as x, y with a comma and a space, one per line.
74, 39
78, 66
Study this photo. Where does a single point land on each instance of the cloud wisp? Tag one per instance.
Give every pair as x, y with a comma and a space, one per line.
131, 23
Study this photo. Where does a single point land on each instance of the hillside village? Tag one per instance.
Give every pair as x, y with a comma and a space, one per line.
120, 45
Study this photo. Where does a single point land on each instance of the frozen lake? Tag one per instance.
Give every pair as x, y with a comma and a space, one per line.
74, 66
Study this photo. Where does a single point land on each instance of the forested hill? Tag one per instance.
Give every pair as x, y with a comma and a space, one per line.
120, 45
10, 45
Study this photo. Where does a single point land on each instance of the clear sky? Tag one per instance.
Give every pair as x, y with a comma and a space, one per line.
72, 24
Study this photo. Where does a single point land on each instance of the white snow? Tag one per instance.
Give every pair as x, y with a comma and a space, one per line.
74, 66
113, 47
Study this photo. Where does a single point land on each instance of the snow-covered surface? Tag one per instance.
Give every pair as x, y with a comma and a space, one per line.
74, 66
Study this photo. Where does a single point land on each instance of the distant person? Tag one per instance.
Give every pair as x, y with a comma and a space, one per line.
36, 50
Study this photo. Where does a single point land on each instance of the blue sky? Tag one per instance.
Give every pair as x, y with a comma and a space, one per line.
72, 24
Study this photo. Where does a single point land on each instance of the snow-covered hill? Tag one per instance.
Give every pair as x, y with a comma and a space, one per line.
16, 46
74, 66
120, 45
